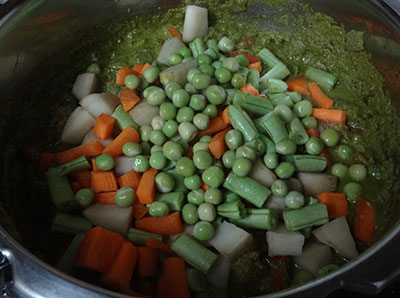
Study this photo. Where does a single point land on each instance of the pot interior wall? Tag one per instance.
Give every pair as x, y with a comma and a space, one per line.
41, 52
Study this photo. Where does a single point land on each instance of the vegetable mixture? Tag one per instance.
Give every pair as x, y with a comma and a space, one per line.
208, 173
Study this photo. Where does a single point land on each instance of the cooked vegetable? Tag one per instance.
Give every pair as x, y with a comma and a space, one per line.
364, 221
77, 126
314, 257
70, 224
147, 261
282, 242
99, 103
319, 97
166, 225
323, 78
262, 174
263, 219
85, 84
317, 183
90, 137
196, 23
140, 238
177, 73
308, 216
335, 202
129, 134
143, 113
60, 190
218, 275
330, 116
65, 262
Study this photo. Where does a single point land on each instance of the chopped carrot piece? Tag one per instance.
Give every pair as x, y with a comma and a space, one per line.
129, 134
313, 132
128, 99
139, 210
324, 153
175, 272
330, 116
131, 179
94, 167
138, 67
217, 144
147, 261
298, 84
89, 149
249, 89
224, 116
83, 177
255, 65
145, 66
105, 197
174, 32
165, 225
104, 181
364, 221
104, 126
204, 186
75, 186
46, 159
335, 202
147, 187
319, 97
122, 73
163, 289
216, 124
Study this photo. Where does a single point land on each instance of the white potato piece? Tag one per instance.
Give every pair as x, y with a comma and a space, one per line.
262, 174
85, 84
123, 165
317, 183
143, 112
231, 241
100, 103
275, 203
77, 126
110, 217
314, 257
337, 235
282, 242
169, 47
90, 137
177, 73
196, 23
218, 275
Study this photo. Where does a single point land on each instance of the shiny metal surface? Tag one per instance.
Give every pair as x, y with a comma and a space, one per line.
27, 37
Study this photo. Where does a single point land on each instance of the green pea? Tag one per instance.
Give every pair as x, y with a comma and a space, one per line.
211, 110
228, 158
189, 214
185, 114
185, 167
201, 81
143, 83
284, 113
84, 197
279, 188
147, 91
213, 176
158, 209
339, 170
187, 131
155, 148
172, 150
125, 196
201, 121
217, 64
204, 59
330, 137
170, 88
132, 81
213, 196
145, 131
164, 182
302, 277
131, 149
185, 52
184, 144
218, 163
207, 212
358, 172
352, 191
151, 74
231, 64
233, 139
271, 160
197, 102
175, 59
247, 152
94, 68
140, 163
238, 81
205, 139
190, 89
157, 137
192, 182
309, 122
200, 146
202, 160
104, 162
196, 197
327, 270
345, 152
180, 98
207, 69
223, 75
226, 45
314, 146
192, 73
167, 111
303, 108
243, 61
286, 147
158, 160
285, 170
241, 166
215, 94
257, 145
170, 128
203, 231
157, 123
294, 200
213, 53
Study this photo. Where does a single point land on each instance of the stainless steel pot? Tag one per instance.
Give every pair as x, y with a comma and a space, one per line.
46, 30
